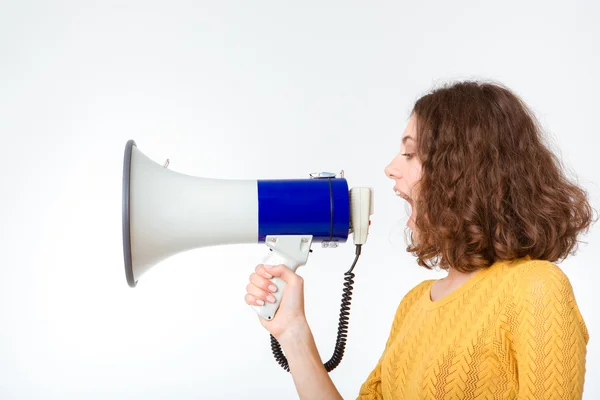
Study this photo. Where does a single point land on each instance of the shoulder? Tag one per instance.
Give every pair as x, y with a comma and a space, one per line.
543, 300
539, 278
541, 290
537, 269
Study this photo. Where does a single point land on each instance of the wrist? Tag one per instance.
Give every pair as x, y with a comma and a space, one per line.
296, 332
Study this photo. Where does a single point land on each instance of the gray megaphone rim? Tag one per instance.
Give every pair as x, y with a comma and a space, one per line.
126, 213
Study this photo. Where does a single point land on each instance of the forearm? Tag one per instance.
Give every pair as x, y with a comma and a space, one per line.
310, 377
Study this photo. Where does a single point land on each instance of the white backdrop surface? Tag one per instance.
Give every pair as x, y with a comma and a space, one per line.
244, 90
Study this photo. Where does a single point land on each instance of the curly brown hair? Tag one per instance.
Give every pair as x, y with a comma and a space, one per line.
490, 188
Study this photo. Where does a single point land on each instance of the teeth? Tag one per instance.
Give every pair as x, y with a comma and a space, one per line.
398, 193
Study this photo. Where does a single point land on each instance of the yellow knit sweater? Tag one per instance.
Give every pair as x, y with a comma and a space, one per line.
512, 331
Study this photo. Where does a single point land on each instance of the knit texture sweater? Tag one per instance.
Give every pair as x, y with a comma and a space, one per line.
512, 331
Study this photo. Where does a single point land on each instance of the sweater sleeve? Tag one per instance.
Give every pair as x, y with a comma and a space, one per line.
549, 336
371, 388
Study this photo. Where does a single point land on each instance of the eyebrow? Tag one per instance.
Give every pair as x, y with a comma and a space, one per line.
405, 138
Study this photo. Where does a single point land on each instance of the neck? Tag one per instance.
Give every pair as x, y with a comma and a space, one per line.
455, 275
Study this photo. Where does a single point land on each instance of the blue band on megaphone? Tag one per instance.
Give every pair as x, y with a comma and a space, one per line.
317, 207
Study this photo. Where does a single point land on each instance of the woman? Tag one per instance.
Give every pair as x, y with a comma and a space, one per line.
490, 205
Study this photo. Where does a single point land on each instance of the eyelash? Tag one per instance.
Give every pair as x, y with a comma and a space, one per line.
408, 155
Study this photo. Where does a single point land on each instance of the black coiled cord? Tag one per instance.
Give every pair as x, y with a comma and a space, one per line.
342, 334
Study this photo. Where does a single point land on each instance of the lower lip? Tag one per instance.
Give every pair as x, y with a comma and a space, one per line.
410, 219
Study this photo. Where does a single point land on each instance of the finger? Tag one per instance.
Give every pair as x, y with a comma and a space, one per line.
262, 283
253, 301
289, 276
260, 294
260, 269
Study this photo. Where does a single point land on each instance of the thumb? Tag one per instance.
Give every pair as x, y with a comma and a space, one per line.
283, 272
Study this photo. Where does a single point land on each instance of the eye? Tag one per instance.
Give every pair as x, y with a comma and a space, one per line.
408, 155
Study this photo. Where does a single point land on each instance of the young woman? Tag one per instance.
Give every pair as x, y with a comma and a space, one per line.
491, 205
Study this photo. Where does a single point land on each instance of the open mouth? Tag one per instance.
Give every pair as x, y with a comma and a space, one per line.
403, 195
400, 193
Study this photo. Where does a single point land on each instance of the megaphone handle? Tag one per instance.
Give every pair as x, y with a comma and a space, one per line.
269, 309
289, 250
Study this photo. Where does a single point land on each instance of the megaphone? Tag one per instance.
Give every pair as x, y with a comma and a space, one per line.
166, 212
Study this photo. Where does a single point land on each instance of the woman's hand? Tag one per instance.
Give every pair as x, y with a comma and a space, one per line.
292, 332
289, 318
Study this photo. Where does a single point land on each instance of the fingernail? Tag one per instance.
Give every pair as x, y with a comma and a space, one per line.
273, 288
271, 298
260, 302
268, 266
268, 275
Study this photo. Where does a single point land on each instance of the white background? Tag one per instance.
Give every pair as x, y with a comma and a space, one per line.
244, 90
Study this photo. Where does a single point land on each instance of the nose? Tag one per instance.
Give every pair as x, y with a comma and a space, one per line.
391, 172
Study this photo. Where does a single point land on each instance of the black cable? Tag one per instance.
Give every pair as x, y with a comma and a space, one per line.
342, 334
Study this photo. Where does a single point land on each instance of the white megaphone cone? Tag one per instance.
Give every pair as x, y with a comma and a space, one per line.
165, 212
169, 212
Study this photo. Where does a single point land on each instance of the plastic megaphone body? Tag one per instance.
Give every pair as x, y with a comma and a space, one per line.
165, 212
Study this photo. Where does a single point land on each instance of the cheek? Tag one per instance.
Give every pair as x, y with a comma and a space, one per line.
412, 178
413, 189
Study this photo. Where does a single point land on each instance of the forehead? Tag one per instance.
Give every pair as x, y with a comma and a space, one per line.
410, 132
